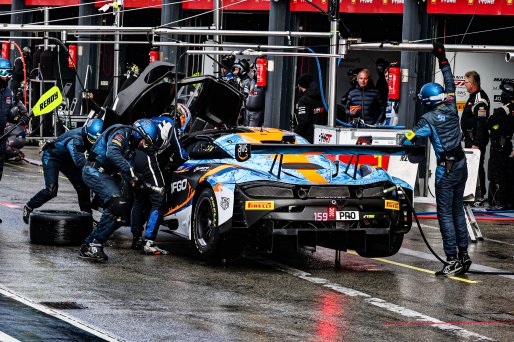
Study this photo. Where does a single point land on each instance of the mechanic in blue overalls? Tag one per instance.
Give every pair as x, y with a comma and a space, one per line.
149, 204
7, 106
111, 154
66, 154
441, 125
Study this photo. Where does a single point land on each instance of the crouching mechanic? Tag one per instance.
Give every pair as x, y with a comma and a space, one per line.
441, 125
149, 204
66, 154
8, 107
110, 155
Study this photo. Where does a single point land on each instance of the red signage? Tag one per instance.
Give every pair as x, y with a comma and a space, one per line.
72, 55
372, 6
487, 7
303, 6
228, 5
351, 6
51, 2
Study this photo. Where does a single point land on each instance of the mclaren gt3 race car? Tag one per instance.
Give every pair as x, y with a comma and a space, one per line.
261, 186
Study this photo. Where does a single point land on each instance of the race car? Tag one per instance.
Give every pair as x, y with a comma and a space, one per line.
261, 187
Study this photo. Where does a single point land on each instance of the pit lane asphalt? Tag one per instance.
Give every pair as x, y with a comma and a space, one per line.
303, 298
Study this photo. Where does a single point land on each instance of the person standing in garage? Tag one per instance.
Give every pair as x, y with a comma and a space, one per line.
501, 127
365, 101
474, 126
310, 108
441, 125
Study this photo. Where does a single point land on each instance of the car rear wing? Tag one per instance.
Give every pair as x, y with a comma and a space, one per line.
244, 151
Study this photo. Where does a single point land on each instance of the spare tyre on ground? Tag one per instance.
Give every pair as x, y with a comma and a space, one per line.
59, 227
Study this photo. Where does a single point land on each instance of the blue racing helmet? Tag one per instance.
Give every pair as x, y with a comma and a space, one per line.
431, 94
5, 68
147, 130
165, 124
93, 129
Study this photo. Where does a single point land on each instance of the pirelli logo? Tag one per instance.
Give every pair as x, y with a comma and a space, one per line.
392, 205
259, 205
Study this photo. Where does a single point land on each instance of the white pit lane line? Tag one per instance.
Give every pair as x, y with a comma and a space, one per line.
70, 320
7, 338
407, 313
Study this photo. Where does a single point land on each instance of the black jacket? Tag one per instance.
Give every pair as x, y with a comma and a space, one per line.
474, 120
310, 111
372, 105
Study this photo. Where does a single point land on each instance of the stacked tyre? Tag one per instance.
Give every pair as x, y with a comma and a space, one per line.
59, 227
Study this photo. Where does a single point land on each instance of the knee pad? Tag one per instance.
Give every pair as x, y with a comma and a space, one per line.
118, 206
52, 189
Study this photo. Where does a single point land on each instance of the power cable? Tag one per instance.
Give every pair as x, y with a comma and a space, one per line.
430, 247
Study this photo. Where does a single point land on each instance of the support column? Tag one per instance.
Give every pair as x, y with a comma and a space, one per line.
280, 89
17, 18
169, 14
87, 54
410, 32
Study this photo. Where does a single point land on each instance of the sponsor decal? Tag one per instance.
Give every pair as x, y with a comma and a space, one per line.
118, 139
392, 205
368, 216
482, 113
242, 152
225, 203
259, 205
179, 186
324, 137
218, 187
201, 168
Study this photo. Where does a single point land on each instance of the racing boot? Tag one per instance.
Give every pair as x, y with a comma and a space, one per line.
152, 249
137, 243
93, 251
452, 267
465, 260
26, 213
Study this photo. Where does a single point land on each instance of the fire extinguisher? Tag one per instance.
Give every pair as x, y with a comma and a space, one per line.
72, 55
154, 55
261, 71
393, 82
5, 49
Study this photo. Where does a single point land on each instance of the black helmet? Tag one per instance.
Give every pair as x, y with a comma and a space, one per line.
382, 65
228, 61
243, 65
507, 88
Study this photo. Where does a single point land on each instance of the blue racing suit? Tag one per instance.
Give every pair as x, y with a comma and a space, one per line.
109, 155
149, 204
441, 125
65, 154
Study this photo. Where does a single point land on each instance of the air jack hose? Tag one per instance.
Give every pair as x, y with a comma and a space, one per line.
430, 247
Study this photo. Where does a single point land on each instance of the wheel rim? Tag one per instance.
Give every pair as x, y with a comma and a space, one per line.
205, 220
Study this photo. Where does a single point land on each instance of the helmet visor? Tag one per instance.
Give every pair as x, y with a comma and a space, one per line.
5, 73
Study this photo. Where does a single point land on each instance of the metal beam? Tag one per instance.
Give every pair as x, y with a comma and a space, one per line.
429, 47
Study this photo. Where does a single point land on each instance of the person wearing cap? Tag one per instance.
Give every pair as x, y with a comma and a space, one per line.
310, 109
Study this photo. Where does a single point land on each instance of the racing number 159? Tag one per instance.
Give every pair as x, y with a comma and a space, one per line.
321, 216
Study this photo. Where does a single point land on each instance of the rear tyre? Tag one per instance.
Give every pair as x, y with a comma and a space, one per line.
381, 245
59, 227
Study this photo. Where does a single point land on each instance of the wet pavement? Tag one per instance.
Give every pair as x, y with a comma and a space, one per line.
47, 290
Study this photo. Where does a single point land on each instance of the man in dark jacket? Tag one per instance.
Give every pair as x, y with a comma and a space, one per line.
365, 101
474, 125
501, 127
310, 108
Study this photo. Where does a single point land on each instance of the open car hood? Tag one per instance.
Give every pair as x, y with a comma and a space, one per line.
153, 93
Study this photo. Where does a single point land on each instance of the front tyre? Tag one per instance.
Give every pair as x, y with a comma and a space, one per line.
205, 230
